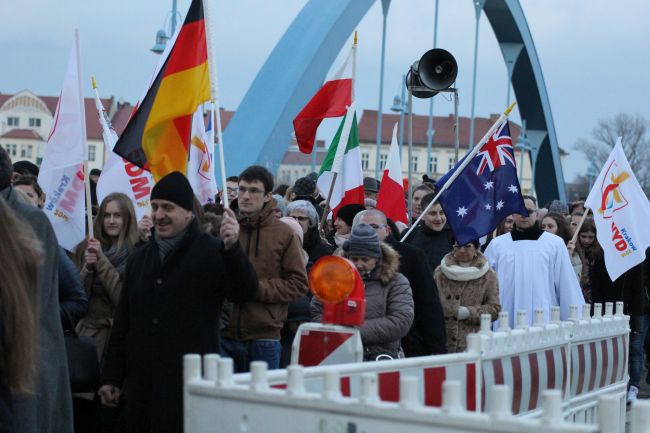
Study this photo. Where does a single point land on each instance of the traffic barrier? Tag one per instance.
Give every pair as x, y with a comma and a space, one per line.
215, 401
583, 359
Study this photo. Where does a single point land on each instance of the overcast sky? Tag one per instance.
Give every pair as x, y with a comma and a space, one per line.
595, 54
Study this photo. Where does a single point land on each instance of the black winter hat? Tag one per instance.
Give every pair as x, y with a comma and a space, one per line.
304, 186
371, 184
176, 188
26, 167
363, 241
348, 212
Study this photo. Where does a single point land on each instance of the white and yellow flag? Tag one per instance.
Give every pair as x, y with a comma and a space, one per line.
621, 213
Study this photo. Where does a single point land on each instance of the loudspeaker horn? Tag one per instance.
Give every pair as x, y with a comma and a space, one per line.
437, 69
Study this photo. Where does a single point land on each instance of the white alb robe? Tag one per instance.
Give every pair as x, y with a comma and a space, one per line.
534, 274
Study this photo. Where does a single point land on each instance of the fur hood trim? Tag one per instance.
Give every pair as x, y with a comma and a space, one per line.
388, 265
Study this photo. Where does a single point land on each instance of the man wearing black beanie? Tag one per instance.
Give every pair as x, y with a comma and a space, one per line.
172, 293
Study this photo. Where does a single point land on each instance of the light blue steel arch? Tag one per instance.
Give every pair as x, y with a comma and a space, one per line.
261, 128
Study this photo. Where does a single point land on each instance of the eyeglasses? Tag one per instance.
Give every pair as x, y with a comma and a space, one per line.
460, 247
252, 191
231, 189
377, 226
299, 218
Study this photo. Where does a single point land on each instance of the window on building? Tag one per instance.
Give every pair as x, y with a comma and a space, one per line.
382, 160
365, 161
414, 163
12, 149
91, 152
34, 122
30, 151
13, 121
451, 163
433, 164
23, 151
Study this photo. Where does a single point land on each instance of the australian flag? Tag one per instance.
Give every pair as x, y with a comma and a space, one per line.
485, 192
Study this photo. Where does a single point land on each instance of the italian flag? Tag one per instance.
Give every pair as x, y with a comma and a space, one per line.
331, 100
390, 199
346, 161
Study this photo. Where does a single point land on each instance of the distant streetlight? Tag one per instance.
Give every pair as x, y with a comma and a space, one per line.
592, 174
161, 35
400, 106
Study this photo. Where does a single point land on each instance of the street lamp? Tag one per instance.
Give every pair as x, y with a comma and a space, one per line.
592, 174
161, 35
399, 106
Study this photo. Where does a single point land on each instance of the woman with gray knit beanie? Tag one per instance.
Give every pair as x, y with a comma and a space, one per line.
389, 301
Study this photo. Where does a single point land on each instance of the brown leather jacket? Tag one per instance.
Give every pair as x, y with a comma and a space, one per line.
276, 254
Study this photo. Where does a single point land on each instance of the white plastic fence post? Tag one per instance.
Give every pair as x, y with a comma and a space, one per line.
486, 324
210, 366
586, 312
504, 321
539, 317
522, 319
555, 314
609, 413
598, 310
619, 308
224, 372
573, 313
408, 392
332, 388
258, 375
191, 370
609, 309
295, 380
552, 406
640, 419
500, 404
451, 398
369, 388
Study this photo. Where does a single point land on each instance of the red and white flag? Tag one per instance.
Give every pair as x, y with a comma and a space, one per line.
390, 199
62, 171
200, 167
120, 175
331, 100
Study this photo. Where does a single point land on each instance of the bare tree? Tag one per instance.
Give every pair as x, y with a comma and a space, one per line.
636, 143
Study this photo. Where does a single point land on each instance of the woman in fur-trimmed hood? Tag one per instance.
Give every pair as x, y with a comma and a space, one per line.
389, 301
468, 287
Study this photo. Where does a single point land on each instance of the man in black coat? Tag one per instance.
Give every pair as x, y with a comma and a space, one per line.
427, 335
172, 294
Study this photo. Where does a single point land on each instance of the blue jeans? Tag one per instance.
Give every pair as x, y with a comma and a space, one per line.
639, 325
245, 352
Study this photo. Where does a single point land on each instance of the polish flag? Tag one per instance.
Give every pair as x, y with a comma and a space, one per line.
331, 100
390, 199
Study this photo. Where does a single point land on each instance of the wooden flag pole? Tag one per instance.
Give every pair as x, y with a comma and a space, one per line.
89, 205
582, 220
460, 168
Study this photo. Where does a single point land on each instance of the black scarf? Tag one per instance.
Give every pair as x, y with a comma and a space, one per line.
530, 234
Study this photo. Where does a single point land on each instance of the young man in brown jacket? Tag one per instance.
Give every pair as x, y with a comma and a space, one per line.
253, 329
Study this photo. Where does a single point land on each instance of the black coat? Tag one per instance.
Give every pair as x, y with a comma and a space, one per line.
434, 244
627, 288
167, 310
427, 335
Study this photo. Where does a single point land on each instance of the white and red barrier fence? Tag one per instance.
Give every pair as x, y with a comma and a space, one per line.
582, 360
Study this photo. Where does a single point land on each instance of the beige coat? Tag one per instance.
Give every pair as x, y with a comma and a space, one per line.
475, 287
101, 302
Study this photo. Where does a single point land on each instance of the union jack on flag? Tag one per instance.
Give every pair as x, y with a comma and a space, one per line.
485, 192
497, 150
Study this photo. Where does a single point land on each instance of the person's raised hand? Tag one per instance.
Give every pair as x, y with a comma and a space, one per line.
144, 228
110, 395
229, 231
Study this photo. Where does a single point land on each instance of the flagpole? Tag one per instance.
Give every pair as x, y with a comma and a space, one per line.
462, 166
345, 133
82, 125
215, 102
582, 220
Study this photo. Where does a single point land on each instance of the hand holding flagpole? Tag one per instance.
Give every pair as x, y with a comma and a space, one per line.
462, 166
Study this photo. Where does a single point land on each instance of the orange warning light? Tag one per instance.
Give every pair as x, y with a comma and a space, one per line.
332, 279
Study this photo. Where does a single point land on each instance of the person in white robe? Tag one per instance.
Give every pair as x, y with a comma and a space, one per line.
534, 270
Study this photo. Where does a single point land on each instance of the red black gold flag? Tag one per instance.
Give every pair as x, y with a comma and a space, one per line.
157, 137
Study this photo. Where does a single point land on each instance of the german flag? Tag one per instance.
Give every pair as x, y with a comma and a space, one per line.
157, 137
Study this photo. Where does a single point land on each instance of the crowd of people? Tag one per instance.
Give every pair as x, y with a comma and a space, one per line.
233, 280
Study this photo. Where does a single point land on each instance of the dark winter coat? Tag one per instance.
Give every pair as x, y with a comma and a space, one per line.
480, 295
627, 288
276, 254
427, 335
167, 310
73, 302
49, 408
389, 308
434, 244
